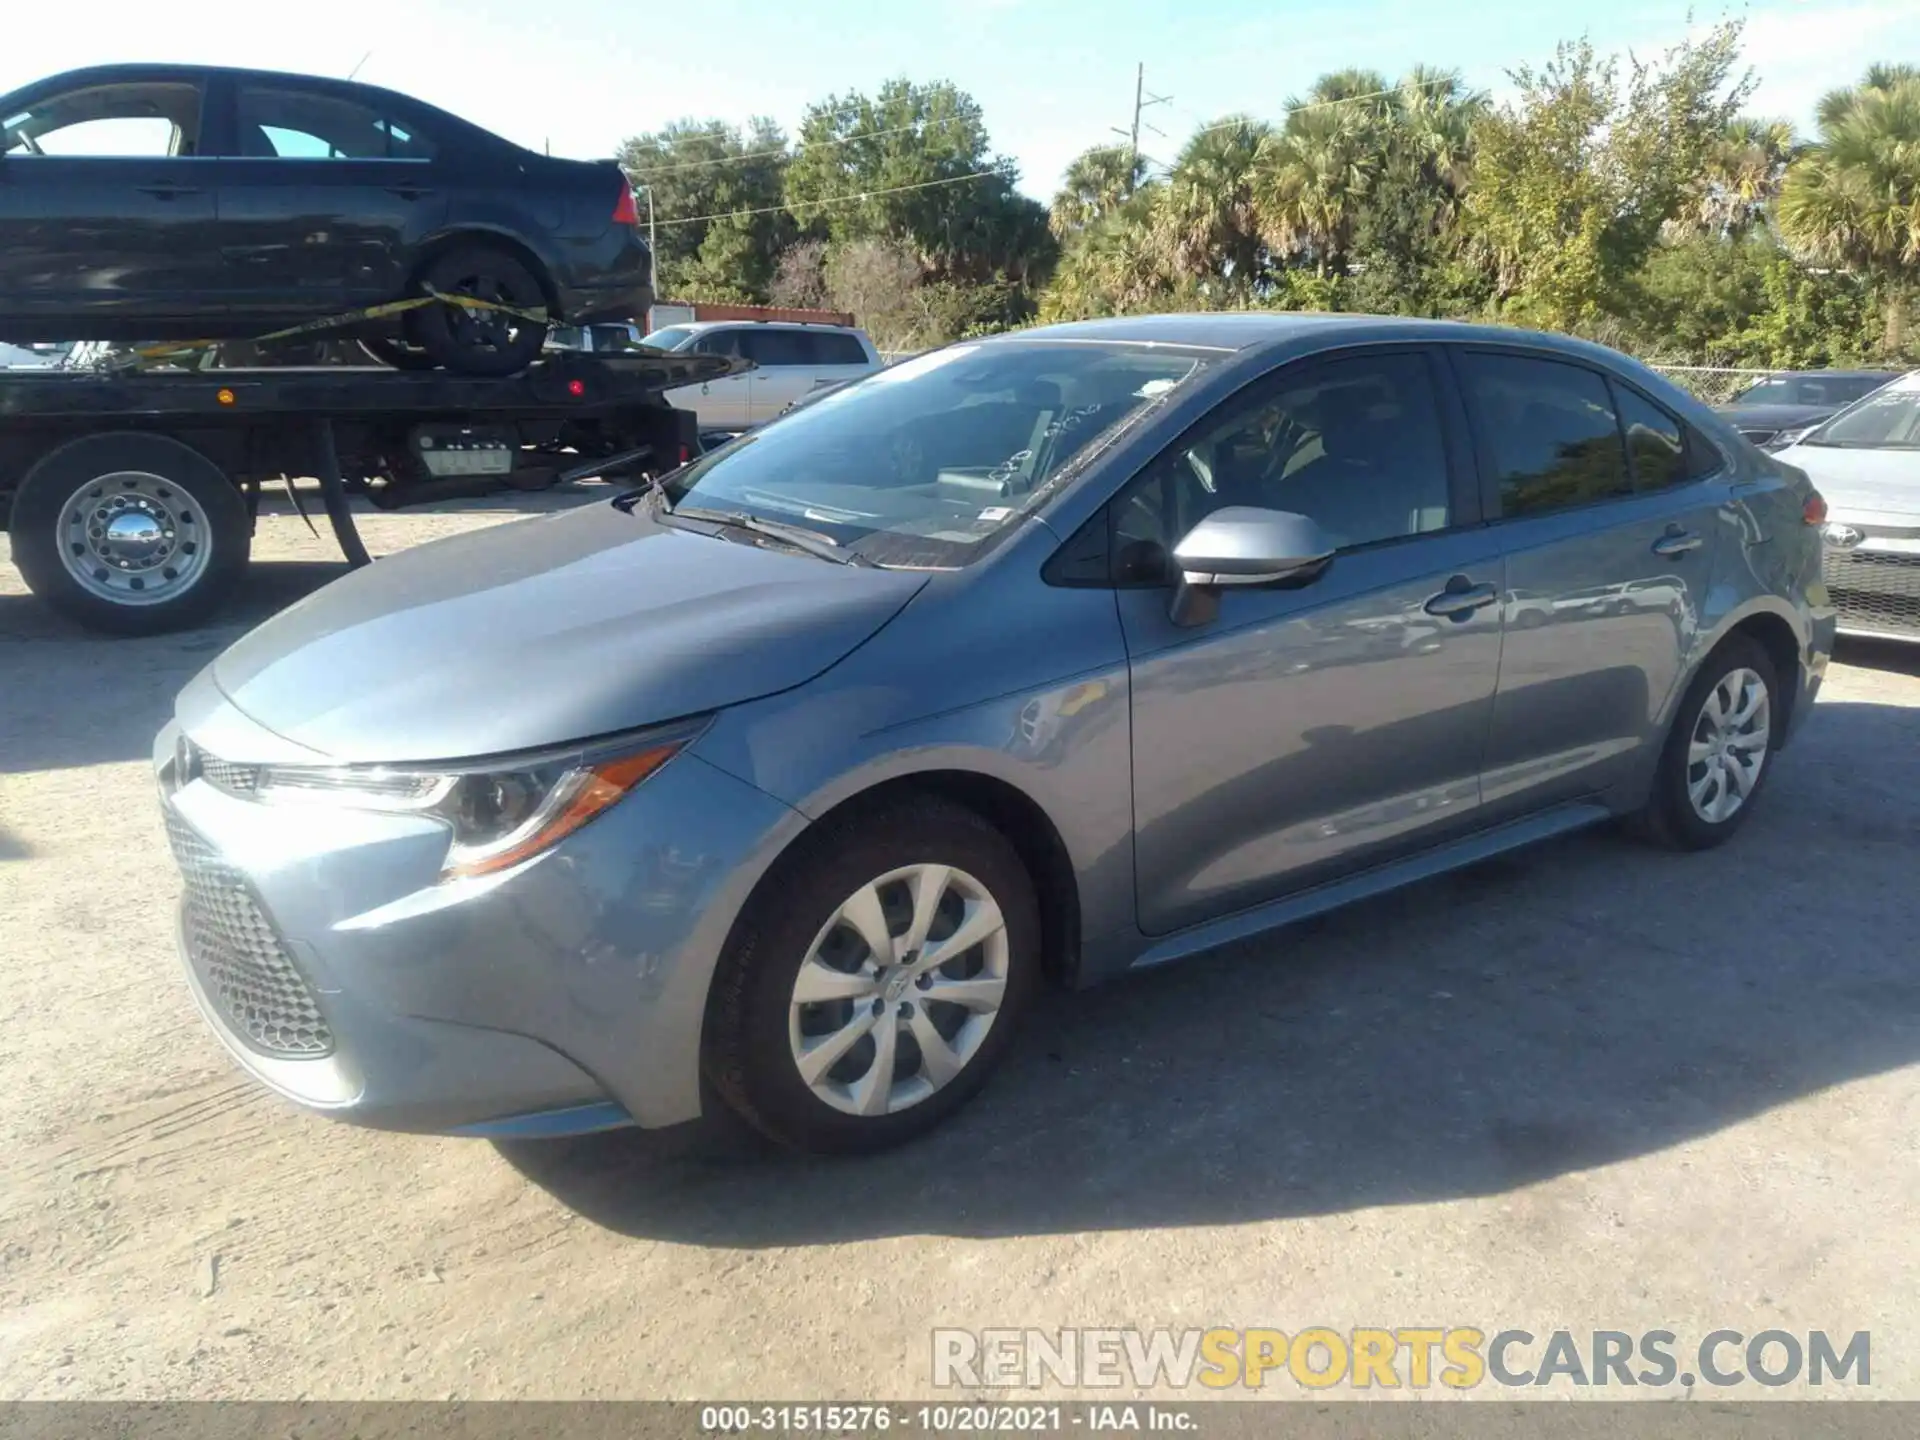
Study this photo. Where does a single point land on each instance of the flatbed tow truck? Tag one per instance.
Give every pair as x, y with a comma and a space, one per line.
130, 496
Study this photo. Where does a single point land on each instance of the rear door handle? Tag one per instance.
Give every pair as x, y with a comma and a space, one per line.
409, 192
168, 192
1677, 542
1461, 598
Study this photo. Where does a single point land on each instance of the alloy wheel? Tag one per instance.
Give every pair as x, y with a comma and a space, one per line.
898, 990
1728, 747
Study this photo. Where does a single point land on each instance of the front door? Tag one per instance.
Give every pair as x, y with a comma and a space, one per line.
1610, 514
325, 203
721, 404
107, 217
1305, 732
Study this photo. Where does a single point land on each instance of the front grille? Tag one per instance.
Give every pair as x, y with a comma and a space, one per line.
197, 764
241, 961
1873, 590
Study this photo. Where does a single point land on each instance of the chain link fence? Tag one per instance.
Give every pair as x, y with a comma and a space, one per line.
1712, 384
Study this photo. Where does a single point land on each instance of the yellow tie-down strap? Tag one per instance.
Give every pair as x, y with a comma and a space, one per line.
148, 354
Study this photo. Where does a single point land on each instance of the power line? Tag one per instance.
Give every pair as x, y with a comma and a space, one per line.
836, 200
781, 150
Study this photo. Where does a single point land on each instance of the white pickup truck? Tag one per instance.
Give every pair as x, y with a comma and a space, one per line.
789, 361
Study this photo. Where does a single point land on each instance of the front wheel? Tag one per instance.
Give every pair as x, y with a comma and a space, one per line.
1719, 752
877, 980
134, 534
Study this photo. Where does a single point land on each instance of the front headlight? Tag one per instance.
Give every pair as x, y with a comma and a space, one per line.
1785, 438
499, 814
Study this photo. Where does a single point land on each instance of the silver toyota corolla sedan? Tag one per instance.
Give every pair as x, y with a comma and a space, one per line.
1866, 461
1039, 658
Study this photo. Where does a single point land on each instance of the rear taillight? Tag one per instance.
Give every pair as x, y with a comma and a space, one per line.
1814, 512
625, 212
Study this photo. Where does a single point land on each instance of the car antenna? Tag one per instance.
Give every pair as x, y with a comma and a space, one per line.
356, 69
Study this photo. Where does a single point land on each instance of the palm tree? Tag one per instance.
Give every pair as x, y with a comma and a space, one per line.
1744, 172
1097, 183
1313, 178
1853, 200
1206, 219
1432, 118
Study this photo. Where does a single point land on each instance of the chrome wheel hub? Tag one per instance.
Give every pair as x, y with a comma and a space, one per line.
132, 538
898, 990
1728, 747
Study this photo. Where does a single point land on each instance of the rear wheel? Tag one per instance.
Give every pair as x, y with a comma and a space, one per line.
476, 341
1719, 753
877, 981
135, 534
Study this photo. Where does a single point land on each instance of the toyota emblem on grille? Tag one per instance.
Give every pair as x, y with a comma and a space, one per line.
1844, 537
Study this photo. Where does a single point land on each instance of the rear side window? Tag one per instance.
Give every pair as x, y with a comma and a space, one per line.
830, 347
307, 125
1656, 443
778, 347
1550, 430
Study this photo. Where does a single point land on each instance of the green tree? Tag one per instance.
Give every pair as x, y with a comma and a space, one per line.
1205, 217
1853, 200
697, 168
1743, 173
1313, 180
1116, 265
1098, 182
1574, 182
914, 166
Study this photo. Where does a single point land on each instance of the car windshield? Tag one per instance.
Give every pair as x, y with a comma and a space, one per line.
925, 463
1889, 419
672, 337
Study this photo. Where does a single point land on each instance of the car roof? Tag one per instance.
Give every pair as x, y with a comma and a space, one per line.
160, 70
1240, 330
704, 325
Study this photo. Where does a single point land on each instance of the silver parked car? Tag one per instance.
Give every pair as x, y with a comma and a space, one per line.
1055, 655
1866, 461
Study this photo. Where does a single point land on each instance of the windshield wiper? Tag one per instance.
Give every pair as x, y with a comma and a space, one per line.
813, 542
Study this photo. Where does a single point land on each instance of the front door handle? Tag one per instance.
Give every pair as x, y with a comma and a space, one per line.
168, 192
1676, 542
408, 192
1461, 598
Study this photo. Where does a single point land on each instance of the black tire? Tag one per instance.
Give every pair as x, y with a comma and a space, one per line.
470, 342
1670, 818
202, 504
747, 1053
397, 354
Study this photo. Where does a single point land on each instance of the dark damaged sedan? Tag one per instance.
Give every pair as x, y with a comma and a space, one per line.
160, 202
1058, 654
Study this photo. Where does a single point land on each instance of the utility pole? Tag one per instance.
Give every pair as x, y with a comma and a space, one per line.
1141, 100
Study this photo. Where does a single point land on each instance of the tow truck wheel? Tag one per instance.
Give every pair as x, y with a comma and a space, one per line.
133, 534
476, 341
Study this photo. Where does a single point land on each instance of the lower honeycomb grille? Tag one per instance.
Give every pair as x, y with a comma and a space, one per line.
241, 962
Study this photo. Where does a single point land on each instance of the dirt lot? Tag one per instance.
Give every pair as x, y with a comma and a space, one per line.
1594, 1087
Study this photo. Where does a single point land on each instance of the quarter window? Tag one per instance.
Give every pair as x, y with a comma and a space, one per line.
1551, 431
309, 125
1354, 445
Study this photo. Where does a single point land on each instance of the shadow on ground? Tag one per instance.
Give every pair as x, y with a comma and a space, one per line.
1572, 1007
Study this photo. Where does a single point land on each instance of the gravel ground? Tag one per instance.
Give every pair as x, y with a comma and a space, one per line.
1590, 1087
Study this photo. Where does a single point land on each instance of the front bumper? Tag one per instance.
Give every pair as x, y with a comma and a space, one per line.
564, 995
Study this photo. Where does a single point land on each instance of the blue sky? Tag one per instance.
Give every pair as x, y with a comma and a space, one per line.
1052, 75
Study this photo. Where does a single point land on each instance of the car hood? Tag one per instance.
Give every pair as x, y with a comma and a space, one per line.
1868, 487
539, 633
1775, 417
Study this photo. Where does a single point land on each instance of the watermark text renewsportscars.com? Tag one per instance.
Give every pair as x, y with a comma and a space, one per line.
1395, 1357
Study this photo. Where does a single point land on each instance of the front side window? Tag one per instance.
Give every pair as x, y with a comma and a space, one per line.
142, 120
1355, 445
1551, 430
924, 464
1888, 419
718, 342
308, 125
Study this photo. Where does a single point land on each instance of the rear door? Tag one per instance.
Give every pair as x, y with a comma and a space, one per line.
1609, 512
324, 199
106, 211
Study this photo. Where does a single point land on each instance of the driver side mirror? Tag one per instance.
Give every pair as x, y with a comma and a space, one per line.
1242, 545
